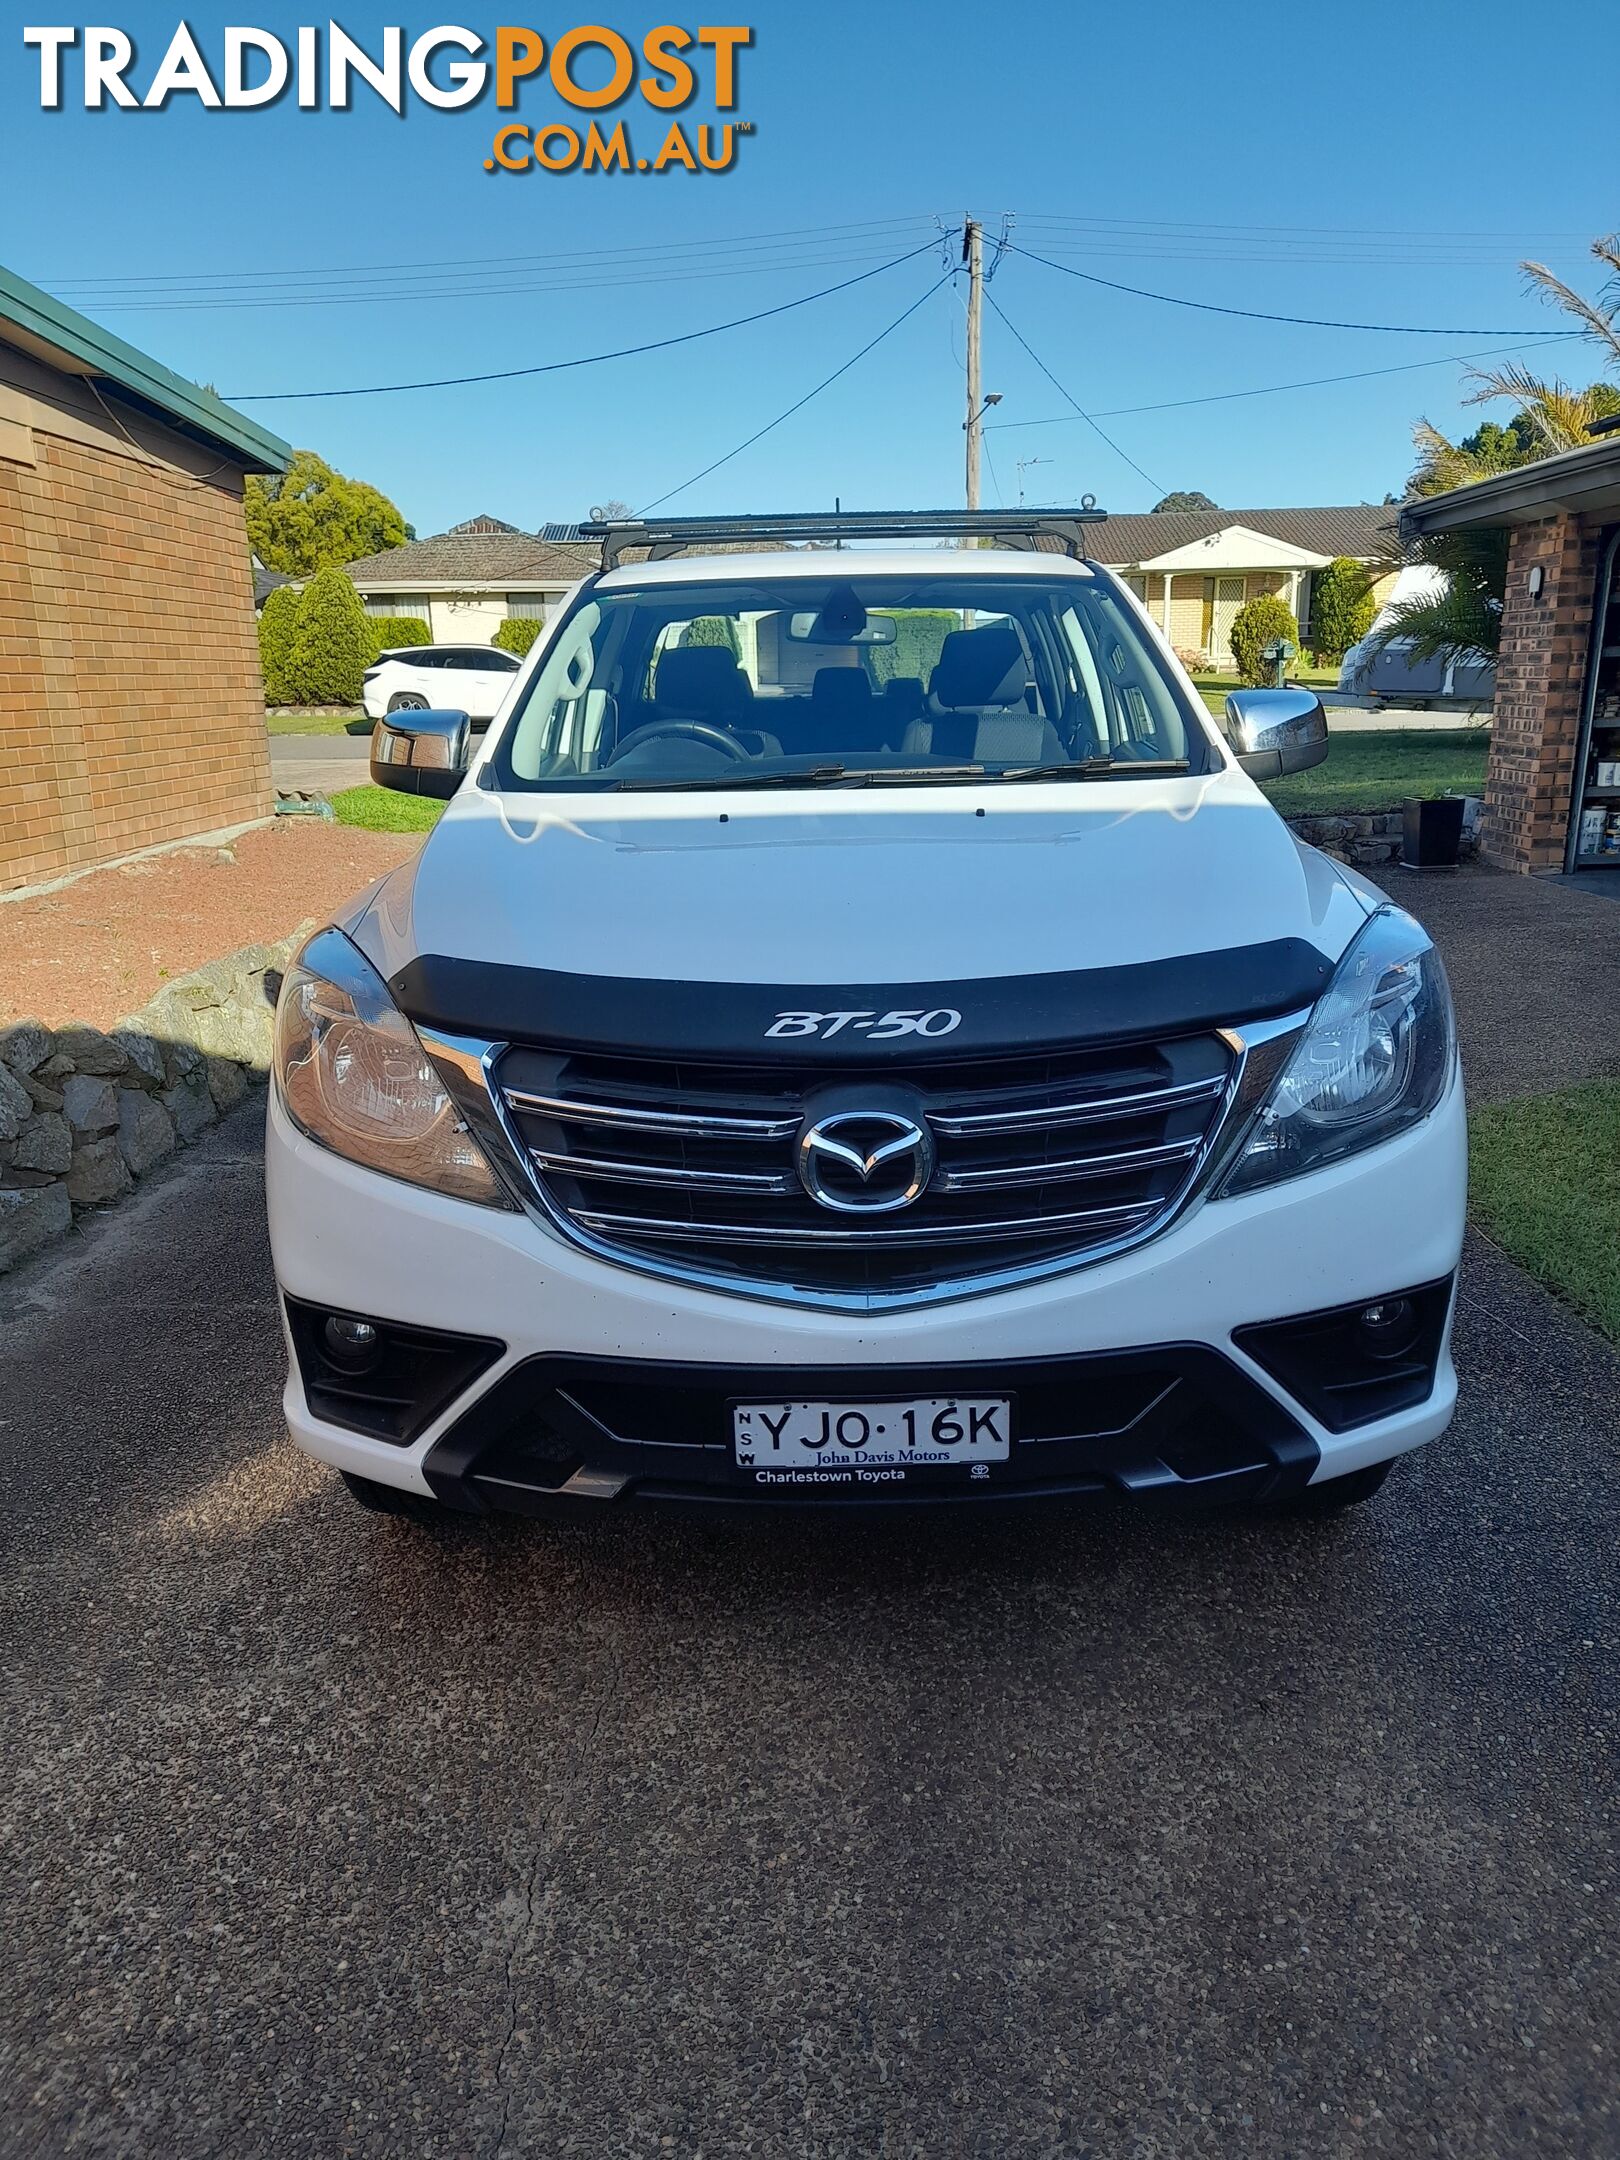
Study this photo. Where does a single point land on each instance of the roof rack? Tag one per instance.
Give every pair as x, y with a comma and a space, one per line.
663, 537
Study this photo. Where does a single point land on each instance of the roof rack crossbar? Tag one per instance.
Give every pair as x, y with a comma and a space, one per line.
663, 537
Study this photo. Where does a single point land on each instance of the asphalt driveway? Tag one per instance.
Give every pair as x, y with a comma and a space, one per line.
1093, 1835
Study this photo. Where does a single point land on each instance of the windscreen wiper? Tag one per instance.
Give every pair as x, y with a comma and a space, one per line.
1097, 768
816, 776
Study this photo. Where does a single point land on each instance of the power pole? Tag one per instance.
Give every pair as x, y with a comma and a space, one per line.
973, 257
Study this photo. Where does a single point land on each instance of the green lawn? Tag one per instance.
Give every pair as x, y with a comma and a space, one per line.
1213, 688
294, 720
1378, 770
377, 809
1544, 1182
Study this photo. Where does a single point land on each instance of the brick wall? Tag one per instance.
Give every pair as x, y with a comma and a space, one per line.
131, 703
1540, 671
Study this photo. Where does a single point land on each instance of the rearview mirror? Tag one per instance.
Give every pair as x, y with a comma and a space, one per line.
807, 628
1273, 732
420, 753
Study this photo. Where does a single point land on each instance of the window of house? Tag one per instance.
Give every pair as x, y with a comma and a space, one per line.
526, 606
395, 604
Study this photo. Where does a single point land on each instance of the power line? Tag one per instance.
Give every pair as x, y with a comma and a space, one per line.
1314, 382
471, 265
1156, 485
1310, 322
799, 404
556, 367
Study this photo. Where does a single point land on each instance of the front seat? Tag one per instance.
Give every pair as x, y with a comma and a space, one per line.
703, 682
844, 715
978, 708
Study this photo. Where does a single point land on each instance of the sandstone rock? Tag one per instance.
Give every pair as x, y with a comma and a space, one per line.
234, 1030
205, 986
145, 1131
90, 1050
227, 1082
31, 1219
89, 1105
24, 1044
97, 1174
45, 1143
16, 1104
145, 1056
190, 1105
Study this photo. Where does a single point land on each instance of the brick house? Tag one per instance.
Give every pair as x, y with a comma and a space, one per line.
1552, 789
1194, 569
464, 583
131, 702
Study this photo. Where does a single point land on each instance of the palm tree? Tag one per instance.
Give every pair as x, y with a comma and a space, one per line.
1550, 416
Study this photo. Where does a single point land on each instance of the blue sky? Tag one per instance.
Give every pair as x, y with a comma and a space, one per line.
1380, 163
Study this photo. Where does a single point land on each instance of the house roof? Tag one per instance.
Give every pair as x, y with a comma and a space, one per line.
266, 581
471, 558
484, 523
1364, 530
1585, 480
44, 328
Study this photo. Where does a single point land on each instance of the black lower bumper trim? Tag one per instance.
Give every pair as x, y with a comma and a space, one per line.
1175, 1422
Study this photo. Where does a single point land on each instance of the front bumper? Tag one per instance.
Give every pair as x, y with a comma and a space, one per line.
1111, 1339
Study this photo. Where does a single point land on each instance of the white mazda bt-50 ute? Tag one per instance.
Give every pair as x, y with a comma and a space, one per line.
858, 1035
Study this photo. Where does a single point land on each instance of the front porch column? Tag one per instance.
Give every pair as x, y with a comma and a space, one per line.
1164, 624
1540, 670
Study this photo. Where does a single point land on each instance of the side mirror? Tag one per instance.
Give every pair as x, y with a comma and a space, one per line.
420, 753
1273, 732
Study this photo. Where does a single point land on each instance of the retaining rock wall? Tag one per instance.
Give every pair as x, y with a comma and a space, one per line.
85, 1112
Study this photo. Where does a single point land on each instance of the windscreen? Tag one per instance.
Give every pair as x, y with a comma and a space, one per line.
849, 679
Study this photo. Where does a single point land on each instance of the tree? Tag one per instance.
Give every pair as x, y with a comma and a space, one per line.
713, 630
1255, 626
333, 644
1185, 499
614, 509
308, 517
1342, 607
517, 634
392, 633
278, 626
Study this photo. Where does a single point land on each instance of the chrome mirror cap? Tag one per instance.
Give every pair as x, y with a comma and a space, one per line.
420, 753
1273, 732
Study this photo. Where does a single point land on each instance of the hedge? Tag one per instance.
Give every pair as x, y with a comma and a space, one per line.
333, 643
713, 630
1342, 607
278, 626
517, 634
390, 632
920, 635
1256, 626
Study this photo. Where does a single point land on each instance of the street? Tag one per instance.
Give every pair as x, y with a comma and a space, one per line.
1093, 1834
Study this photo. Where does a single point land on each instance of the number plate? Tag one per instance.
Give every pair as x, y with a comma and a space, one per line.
930, 1434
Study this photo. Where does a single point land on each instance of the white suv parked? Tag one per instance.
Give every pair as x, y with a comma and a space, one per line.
428, 678
858, 1034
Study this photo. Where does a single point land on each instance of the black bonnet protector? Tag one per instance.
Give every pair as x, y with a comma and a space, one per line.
770, 1021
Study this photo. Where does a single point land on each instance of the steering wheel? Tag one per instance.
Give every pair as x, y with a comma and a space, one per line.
697, 730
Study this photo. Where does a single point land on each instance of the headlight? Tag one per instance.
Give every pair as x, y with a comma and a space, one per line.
1375, 1058
352, 1075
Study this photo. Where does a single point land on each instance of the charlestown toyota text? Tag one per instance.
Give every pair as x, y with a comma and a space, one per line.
859, 1035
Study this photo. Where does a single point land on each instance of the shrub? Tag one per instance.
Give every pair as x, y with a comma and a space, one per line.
333, 644
517, 634
278, 626
1342, 608
1257, 625
390, 632
713, 630
920, 635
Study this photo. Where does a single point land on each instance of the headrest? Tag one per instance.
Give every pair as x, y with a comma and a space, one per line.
701, 681
979, 667
840, 689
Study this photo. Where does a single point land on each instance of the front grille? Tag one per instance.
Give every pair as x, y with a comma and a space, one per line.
1038, 1158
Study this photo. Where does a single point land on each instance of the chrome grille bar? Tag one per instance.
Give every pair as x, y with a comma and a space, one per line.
1147, 1102
704, 1233
634, 1173
1119, 1164
696, 1124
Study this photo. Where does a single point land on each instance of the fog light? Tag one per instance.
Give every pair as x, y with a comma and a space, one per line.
1389, 1329
351, 1345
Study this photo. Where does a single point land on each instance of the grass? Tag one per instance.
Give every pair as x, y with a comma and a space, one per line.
376, 809
295, 720
1213, 688
1379, 769
1544, 1182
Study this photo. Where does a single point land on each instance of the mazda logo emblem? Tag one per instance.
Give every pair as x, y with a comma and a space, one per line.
865, 1162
